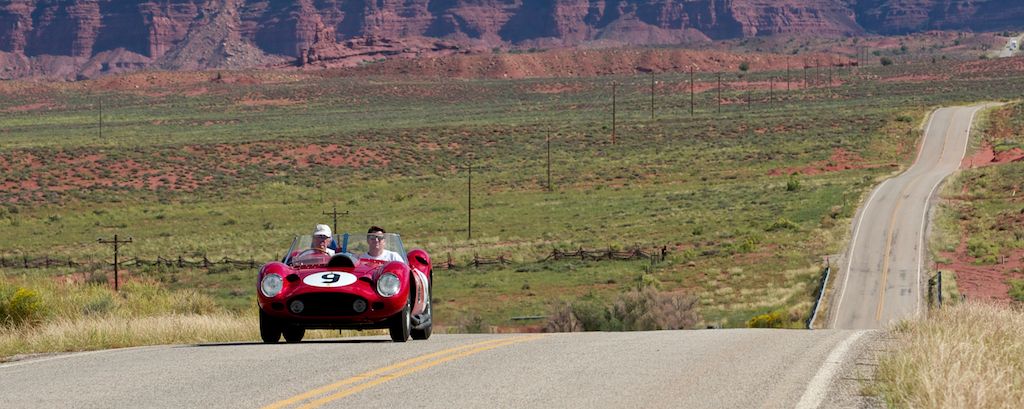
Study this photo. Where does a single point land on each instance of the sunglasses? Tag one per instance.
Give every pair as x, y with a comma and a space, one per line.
378, 238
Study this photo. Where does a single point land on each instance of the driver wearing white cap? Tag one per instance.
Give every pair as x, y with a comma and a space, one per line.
322, 239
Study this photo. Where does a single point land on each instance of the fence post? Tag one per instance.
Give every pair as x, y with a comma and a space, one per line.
940, 289
24, 260
206, 262
181, 262
449, 261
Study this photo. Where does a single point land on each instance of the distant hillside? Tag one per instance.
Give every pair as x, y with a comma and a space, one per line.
85, 38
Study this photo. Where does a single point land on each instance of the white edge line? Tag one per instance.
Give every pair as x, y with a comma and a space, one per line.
818, 386
927, 205
71, 355
856, 230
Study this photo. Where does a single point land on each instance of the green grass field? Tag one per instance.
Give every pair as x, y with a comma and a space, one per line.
743, 234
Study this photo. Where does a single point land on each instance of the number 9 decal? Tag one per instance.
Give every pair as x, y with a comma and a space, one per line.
329, 279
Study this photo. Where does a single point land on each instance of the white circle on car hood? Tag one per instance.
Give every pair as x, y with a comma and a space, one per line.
329, 279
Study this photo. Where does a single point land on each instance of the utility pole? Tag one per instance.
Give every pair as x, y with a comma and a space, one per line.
719, 92
549, 160
117, 248
335, 214
614, 84
101, 119
469, 200
691, 90
652, 95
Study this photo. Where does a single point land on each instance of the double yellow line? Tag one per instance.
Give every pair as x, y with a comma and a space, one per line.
345, 387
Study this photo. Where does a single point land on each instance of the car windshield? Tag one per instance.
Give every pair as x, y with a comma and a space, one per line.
357, 245
302, 248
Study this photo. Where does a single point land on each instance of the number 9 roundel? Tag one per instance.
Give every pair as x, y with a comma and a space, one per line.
329, 279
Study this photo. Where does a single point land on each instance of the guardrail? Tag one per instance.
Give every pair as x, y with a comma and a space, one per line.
821, 293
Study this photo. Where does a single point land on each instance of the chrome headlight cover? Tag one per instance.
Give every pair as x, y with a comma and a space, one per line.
271, 285
388, 285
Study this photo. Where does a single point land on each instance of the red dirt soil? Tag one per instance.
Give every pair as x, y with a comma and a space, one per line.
839, 161
984, 282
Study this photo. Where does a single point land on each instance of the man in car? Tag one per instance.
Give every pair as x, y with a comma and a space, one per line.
322, 239
375, 242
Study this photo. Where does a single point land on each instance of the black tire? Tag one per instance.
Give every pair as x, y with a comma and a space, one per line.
270, 330
424, 333
294, 334
401, 323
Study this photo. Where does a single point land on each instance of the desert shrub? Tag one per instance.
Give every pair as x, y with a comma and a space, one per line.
782, 224
475, 325
637, 310
562, 319
20, 306
885, 61
984, 250
1017, 290
773, 319
792, 185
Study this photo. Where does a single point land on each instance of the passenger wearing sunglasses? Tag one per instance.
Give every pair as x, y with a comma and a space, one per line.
376, 243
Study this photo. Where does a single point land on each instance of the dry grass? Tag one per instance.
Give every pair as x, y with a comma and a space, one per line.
92, 333
82, 317
965, 356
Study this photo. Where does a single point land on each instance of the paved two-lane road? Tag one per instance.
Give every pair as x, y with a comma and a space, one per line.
662, 369
883, 274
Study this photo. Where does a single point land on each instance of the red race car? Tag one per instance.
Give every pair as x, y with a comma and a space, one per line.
312, 289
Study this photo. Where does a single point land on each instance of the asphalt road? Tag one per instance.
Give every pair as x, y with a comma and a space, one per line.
661, 369
883, 279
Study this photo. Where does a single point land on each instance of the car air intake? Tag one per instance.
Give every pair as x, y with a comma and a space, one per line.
327, 304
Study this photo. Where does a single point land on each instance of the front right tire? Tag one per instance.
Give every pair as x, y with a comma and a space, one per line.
270, 330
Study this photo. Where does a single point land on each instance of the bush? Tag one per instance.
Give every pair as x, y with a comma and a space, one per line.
770, 320
1017, 290
20, 307
782, 224
638, 310
885, 61
744, 66
792, 185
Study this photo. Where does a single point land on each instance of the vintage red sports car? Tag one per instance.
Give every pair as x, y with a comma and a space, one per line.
311, 289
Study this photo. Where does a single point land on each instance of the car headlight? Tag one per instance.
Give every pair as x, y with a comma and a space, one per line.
271, 285
388, 285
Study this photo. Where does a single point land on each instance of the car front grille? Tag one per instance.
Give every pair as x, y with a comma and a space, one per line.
327, 304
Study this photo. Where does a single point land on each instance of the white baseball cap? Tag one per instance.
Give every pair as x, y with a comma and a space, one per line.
322, 230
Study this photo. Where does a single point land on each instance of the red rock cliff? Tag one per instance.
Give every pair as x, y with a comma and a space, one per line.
96, 36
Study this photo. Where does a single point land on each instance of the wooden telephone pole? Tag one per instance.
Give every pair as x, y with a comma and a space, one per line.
335, 214
117, 248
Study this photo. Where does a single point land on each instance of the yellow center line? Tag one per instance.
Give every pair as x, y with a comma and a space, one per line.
474, 348
892, 227
384, 378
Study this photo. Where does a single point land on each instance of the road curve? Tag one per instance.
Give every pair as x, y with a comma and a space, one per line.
883, 274
662, 369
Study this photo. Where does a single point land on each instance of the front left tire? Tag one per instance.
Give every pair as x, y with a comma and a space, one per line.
401, 323
270, 330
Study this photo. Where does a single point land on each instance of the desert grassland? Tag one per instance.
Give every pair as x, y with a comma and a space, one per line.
969, 355
983, 204
744, 235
